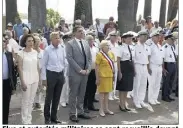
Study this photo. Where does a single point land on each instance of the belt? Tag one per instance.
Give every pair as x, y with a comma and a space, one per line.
159, 65
170, 62
55, 72
142, 64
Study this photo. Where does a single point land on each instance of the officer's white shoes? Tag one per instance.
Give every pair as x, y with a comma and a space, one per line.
152, 102
115, 98
144, 105
138, 106
157, 102
63, 104
111, 98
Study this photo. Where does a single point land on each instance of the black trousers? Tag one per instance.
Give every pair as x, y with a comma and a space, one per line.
90, 90
55, 83
6, 100
168, 80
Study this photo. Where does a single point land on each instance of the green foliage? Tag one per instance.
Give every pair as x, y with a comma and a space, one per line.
52, 17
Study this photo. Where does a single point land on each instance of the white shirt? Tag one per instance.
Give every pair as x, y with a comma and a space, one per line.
94, 52
153, 29
142, 52
143, 27
168, 53
124, 52
40, 58
114, 49
12, 45
100, 28
78, 41
156, 54
53, 59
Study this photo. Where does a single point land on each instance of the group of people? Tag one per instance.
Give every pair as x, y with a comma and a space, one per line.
74, 65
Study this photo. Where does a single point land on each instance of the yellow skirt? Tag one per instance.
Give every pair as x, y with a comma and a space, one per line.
105, 85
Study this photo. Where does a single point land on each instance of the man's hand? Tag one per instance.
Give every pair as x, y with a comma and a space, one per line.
44, 83
83, 72
119, 76
87, 72
165, 72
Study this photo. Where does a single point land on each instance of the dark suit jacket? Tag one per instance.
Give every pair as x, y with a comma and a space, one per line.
11, 67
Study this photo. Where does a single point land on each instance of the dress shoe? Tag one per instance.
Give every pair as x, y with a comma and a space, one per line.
63, 104
138, 106
111, 98
47, 122
152, 102
122, 109
115, 98
95, 100
73, 118
56, 122
157, 102
166, 99
102, 114
127, 109
86, 110
144, 105
109, 112
172, 99
93, 108
84, 116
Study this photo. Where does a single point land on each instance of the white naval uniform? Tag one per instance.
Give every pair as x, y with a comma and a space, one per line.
115, 50
142, 52
156, 61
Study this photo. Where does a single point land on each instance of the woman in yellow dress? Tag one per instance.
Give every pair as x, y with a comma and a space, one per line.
104, 76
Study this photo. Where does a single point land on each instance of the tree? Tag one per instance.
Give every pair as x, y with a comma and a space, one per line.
83, 7
125, 15
37, 14
11, 11
172, 9
162, 13
52, 17
147, 8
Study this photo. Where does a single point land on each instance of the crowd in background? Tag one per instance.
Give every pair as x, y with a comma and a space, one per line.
74, 63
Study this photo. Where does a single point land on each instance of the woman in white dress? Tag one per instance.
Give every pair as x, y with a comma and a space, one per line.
37, 100
28, 66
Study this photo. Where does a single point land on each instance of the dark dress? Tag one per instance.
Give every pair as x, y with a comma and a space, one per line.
127, 70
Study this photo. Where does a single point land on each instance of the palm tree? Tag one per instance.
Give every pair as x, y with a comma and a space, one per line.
162, 13
172, 9
83, 7
37, 14
11, 11
125, 15
147, 8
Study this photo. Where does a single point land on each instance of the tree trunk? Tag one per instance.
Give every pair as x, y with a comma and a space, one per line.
136, 2
125, 15
147, 8
162, 13
83, 7
172, 9
11, 11
37, 14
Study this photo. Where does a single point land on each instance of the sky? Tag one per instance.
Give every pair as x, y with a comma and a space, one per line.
101, 8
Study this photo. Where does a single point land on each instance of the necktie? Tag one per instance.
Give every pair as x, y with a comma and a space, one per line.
83, 51
130, 52
174, 53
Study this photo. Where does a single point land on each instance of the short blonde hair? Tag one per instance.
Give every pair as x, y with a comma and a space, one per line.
53, 34
89, 37
103, 43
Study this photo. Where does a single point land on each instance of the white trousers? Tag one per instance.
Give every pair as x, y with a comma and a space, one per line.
27, 103
154, 82
64, 98
113, 93
140, 83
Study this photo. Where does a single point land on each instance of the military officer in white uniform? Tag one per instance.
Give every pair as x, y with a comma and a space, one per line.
155, 65
114, 47
141, 62
169, 70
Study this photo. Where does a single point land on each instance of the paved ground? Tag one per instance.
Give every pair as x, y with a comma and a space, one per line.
166, 113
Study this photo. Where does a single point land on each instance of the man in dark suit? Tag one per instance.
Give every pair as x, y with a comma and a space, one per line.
8, 79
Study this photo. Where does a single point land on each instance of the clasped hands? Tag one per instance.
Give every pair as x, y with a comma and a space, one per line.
84, 72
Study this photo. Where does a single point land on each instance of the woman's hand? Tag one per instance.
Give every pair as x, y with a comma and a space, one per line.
24, 87
97, 81
119, 76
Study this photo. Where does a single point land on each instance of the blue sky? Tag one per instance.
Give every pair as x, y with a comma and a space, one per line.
101, 8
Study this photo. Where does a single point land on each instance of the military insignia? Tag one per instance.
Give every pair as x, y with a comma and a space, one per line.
166, 46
